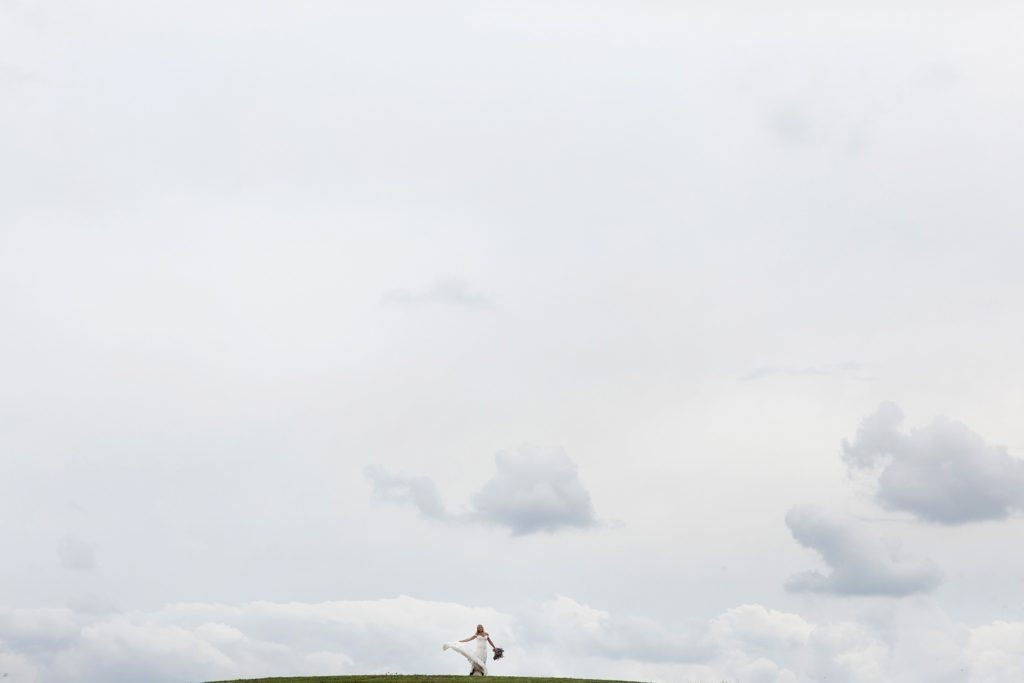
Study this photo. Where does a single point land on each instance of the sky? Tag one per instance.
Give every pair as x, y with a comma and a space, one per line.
672, 341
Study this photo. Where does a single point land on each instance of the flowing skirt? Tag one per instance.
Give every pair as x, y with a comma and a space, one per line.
476, 653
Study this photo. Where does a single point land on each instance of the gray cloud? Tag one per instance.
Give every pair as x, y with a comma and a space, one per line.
802, 125
451, 292
533, 490
860, 564
75, 554
37, 630
419, 492
943, 473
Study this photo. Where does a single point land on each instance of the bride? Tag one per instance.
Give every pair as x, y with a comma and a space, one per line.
476, 652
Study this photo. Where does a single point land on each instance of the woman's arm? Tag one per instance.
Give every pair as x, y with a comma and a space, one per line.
466, 640
490, 641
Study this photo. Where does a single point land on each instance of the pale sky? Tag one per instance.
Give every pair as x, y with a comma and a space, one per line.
671, 341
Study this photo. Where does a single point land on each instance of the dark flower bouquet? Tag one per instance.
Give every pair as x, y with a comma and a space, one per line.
498, 653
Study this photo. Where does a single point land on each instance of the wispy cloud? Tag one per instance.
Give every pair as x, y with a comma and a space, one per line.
533, 490
798, 371
860, 563
75, 554
419, 492
449, 292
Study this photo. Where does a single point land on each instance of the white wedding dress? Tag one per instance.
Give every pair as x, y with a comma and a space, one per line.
475, 651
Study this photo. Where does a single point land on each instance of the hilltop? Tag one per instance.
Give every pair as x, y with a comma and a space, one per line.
388, 678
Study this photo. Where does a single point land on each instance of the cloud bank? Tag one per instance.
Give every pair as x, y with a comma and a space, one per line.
588, 632
859, 563
559, 637
942, 473
533, 490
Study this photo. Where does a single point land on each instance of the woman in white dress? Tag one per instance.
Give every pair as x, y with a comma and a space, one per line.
475, 652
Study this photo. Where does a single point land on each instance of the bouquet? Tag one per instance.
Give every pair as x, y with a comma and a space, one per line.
498, 653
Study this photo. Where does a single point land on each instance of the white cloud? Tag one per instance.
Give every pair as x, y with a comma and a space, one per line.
38, 630
123, 648
943, 473
17, 668
586, 631
860, 564
533, 490
997, 652
755, 628
201, 641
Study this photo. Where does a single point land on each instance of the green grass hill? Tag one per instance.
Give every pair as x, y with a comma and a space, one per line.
415, 679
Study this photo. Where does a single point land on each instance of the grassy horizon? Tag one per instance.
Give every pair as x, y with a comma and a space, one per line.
413, 678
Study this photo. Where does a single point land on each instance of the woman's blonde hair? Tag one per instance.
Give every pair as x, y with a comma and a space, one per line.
480, 628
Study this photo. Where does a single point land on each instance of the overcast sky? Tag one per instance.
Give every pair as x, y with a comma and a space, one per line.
671, 341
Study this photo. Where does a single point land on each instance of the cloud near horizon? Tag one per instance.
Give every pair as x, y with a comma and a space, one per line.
943, 473
533, 490
860, 563
586, 631
559, 637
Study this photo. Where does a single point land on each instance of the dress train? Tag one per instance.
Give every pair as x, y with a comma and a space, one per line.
475, 653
